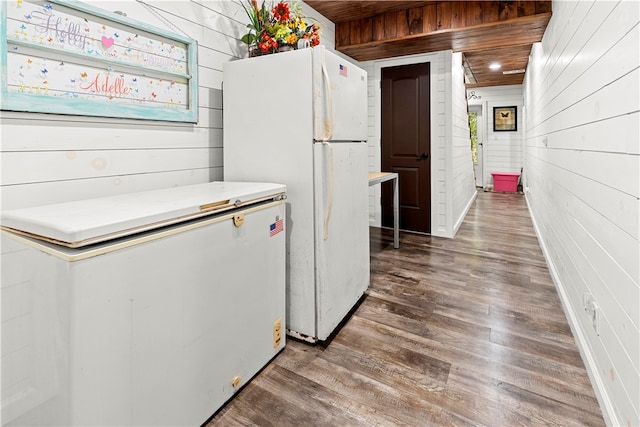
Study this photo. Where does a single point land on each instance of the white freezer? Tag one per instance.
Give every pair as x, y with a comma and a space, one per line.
84, 222
318, 148
160, 326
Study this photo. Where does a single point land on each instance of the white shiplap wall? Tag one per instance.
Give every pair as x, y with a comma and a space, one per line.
502, 151
582, 170
452, 185
460, 179
55, 158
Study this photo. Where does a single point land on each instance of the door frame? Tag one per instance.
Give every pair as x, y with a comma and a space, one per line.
481, 131
433, 60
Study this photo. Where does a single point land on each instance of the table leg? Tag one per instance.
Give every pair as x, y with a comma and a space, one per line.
396, 215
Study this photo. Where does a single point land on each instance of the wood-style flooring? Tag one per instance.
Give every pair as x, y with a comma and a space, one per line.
463, 331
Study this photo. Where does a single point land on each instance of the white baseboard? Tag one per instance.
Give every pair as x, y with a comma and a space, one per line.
460, 219
606, 404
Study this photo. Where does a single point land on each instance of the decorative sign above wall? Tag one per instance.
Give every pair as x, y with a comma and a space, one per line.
67, 57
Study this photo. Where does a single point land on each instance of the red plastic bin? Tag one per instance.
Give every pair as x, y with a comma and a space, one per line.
505, 181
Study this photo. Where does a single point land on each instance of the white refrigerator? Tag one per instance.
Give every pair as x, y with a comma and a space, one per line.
300, 118
151, 308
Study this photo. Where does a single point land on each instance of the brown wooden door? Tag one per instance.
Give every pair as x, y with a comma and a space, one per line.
405, 144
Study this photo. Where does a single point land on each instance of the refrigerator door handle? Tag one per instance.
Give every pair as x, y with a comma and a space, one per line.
328, 122
327, 215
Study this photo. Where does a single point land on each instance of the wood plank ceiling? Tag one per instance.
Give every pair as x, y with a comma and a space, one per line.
484, 31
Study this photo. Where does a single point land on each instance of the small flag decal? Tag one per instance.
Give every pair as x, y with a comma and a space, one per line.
343, 70
276, 227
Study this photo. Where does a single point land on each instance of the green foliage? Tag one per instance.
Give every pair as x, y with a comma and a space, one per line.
257, 17
473, 129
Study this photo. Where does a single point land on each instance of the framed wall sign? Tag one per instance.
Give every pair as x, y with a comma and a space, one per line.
505, 119
67, 57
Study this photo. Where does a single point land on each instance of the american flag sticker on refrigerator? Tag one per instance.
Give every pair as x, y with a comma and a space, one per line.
276, 227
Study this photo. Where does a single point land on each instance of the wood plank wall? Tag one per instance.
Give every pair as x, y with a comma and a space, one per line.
442, 15
582, 154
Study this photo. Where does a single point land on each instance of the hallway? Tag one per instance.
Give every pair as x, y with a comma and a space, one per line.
467, 331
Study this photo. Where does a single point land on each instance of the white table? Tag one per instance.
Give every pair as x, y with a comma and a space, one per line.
379, 177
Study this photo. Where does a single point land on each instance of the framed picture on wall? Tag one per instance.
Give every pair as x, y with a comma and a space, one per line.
505, 119
68, 57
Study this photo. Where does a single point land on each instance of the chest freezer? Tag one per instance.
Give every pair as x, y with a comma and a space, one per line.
143, 309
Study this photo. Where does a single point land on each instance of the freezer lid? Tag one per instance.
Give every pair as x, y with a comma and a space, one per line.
84, 222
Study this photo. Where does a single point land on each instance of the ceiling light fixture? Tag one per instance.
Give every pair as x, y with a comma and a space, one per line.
519, 71
495, 66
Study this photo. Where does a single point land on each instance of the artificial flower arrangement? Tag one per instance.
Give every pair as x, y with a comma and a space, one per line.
273, 28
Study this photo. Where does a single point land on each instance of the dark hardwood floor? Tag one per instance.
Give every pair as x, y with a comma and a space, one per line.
464, 331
